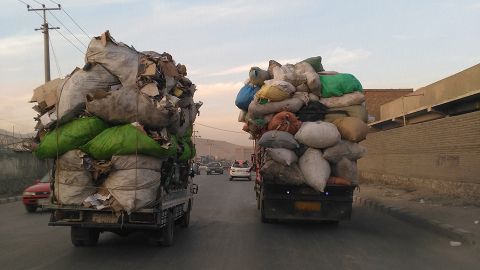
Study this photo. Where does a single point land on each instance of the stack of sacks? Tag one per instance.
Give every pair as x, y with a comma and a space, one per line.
308, 123
123, 104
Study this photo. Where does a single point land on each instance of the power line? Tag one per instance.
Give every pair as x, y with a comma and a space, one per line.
73, 44
56, 61
221, 129
71, 18
68, 30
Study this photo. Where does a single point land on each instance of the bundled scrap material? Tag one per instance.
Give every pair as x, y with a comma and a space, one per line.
307, 123
119, 128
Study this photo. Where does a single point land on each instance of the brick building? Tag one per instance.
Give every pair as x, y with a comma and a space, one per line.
429, 138
374, 98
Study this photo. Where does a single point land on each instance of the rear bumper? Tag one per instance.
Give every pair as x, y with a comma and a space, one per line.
240, 175
281, 203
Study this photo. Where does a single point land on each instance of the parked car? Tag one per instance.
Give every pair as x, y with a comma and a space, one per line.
240, 169
214, 167
37, 194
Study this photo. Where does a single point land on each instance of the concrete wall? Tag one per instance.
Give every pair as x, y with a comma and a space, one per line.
451, 87
442, 154
18, 170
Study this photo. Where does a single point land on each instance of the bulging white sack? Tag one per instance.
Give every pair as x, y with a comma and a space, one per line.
315, 169
282, 155
318, 134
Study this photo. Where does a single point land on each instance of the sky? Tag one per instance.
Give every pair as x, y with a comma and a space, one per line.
385, 44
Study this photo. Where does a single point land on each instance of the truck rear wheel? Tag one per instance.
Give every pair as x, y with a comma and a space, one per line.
83, 236
167, 231
185, 220
262, 212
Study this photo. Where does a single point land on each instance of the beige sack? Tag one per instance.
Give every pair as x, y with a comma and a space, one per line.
72, 93
358, 111
118, 58
135, 188
120, 107
355, 98
72, 182
293, 104
351, 128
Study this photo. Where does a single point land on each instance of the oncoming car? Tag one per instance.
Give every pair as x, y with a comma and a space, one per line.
240, 169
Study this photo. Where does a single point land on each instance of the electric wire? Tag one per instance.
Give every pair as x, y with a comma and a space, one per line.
55, 59
71, 18
66, 28
73, 44
221, 129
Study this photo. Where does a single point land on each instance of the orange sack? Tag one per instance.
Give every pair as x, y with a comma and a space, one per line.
338, 181
285, 121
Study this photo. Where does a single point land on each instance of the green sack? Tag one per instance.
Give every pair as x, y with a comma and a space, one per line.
188, 149
339, 84
126, 140
70, 136
315, 62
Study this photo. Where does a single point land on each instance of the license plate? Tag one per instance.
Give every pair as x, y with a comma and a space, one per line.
308, 206
43, 201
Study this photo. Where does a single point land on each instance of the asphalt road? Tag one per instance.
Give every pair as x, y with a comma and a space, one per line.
226, 233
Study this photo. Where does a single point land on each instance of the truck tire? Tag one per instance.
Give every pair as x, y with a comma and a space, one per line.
185, 220
168, 230
83, 236
262, 213
31, 208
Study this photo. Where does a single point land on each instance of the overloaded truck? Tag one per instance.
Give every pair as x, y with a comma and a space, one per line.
307, 124
170, 207
119, 130
279, 201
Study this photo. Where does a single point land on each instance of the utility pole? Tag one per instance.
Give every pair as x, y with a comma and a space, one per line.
46, 42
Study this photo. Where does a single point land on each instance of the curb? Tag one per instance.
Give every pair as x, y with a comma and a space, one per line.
10, 199
443, 229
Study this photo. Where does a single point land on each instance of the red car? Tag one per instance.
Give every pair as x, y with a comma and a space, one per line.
38, 194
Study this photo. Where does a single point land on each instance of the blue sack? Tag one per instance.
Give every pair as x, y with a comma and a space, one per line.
245, 96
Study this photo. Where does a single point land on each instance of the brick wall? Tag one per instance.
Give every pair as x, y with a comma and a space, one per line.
376, 97
434, 154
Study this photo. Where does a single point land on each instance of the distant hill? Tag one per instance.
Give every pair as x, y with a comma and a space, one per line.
222, 149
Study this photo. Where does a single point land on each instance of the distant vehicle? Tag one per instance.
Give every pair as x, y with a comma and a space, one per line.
37, 194
196, 168
214, 167
240, 169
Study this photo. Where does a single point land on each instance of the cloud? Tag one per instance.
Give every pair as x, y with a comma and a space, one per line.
17, 45
475, 6
246, 67
217, 89
342, 56
402, 37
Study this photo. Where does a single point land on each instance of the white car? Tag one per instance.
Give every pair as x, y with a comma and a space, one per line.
240, 169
